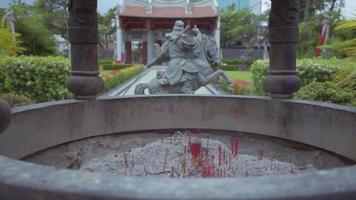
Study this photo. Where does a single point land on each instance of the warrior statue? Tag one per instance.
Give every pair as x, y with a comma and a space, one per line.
192, 59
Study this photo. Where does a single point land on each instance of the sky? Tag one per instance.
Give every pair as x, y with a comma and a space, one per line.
348, 11
104, 5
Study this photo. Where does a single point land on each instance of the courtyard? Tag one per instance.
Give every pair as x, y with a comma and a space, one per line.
177, 100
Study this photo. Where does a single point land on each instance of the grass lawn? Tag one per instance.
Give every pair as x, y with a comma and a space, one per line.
242, 75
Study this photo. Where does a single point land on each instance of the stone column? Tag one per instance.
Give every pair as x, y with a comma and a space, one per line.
282, 80
150, 42
5, 115
84, 81
119, 41
217, 33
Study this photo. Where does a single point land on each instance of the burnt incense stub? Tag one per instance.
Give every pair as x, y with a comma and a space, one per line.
5, 115
282, 79
84, 82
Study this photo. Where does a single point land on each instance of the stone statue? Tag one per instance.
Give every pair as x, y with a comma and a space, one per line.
192, 60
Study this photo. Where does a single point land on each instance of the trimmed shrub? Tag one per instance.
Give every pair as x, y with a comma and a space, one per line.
229, 67
121, 76
40, 79
106, 61
231, 61
115, 67
326, 91
259, 71
309, 70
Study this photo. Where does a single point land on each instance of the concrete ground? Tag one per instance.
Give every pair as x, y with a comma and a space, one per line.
146, 76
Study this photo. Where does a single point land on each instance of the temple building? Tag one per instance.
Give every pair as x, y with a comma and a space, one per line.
142, 23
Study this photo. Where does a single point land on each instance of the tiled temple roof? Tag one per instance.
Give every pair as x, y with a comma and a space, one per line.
169, 8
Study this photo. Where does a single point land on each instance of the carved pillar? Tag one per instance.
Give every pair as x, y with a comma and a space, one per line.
119, 40
5, 115
128, 47
84, 81
282, 80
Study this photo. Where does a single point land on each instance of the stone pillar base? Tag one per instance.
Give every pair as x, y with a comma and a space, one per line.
84, 87
282, 84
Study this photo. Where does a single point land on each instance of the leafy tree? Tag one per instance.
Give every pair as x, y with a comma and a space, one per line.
2, 12
37, 38
311, 14
10, 44
309, 8
55, 15
106, 27
238, 27
6, 42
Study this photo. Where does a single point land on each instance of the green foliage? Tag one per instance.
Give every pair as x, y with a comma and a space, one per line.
238, 26
309, 70
239, 74
349, 45
345, 79
259, 71
55, 15
326, 91
10, 44
310, 8
229, 67
39, 78
310, 30
37, 38
7, 44
106, 27
16, 100
309, 33
115, 67
317, 70
107, 61
123, 75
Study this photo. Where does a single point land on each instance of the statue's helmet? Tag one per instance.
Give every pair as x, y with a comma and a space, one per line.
178, 26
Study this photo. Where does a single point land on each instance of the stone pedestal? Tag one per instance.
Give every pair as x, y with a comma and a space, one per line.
84, 81
282, 80
5, 115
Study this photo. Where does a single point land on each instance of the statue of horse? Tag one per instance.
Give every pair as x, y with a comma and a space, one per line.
200, 67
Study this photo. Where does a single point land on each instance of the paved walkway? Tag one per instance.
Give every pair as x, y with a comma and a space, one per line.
129, 87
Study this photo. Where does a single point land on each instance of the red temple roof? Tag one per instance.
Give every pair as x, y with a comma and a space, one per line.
168, 12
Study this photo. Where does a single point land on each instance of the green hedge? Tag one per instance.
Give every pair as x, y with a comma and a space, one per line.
231, 61
40, 79
106, 61
123, 75
309, 70
115, 67
327, 91
229, 67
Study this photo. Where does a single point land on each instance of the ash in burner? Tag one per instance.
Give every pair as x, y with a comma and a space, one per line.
186, 154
